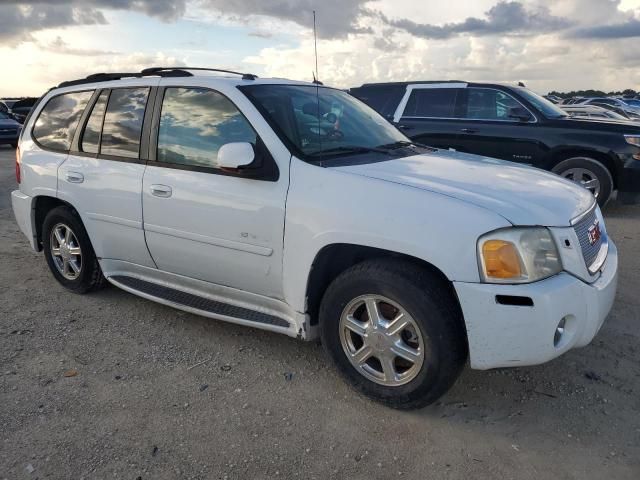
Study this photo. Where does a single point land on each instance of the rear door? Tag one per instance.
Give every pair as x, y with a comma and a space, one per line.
428, 113
486, 127
102, 176
202, 222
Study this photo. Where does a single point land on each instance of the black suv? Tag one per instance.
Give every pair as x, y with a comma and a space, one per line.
513, 123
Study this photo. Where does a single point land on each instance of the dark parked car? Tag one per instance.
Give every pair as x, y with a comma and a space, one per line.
9, 130
21, 108
513, 123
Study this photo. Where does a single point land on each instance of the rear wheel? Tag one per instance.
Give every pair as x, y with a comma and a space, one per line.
69, 253
588, 173
394, 331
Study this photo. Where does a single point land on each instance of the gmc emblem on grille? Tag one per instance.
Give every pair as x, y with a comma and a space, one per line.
594, 232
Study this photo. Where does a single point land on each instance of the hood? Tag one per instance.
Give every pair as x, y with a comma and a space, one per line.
9, 122
523, 195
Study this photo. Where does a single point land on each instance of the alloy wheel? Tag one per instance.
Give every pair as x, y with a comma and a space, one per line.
66, 251
585, 178
381, 340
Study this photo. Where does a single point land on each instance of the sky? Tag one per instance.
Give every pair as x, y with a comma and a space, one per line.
547, 44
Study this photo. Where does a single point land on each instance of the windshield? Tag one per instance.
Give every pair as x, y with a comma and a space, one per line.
547, 108
319, 121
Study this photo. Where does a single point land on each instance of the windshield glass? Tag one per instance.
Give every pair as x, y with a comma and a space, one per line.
318, 121
547, 108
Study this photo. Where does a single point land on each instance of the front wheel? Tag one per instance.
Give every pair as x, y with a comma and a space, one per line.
588, 173
394, 331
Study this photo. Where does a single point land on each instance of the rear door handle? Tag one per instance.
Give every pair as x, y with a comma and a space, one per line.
163, 191
74, 177
469, 130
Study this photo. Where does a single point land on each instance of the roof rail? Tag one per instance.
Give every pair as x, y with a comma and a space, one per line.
153, 71
159, 70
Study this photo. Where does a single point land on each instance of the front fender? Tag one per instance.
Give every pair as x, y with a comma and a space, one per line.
326, 206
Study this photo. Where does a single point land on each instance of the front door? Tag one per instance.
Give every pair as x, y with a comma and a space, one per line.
200, 221
486, 127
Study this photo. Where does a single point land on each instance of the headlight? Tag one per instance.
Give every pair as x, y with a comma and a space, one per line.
518, 255
633, 139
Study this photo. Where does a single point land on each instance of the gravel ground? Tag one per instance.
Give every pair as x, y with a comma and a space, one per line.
161, 394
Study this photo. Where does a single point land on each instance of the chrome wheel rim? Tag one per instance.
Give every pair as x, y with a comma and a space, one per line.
381, 340
66, 252
585, 178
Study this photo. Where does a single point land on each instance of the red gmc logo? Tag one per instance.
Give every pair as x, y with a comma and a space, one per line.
594, 232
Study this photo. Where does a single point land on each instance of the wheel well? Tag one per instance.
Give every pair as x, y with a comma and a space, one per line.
43, 205
600, 157
332, 260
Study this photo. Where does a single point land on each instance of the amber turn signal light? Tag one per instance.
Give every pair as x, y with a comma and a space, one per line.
501, 259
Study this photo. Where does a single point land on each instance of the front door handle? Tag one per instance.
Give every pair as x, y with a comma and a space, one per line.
74, 177
163, 191
468, 130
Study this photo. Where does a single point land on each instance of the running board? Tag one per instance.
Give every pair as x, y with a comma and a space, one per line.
195, 302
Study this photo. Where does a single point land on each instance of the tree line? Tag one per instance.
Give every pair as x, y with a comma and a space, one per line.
595, 93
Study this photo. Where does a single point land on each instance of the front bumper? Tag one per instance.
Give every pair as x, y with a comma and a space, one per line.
628, 180
22, 210
509, 336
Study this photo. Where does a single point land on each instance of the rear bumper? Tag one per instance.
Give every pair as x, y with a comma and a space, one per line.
508, 336
22, 210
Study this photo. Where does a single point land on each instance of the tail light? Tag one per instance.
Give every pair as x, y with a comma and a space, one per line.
18, 176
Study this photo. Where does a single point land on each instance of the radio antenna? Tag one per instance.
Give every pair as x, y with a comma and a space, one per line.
315, 47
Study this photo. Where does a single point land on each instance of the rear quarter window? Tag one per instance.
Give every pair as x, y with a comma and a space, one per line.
58, 120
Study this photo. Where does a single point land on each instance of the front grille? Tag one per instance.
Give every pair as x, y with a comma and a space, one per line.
589, 251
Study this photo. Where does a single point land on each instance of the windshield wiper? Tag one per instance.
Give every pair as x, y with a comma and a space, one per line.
349, 149
405, 143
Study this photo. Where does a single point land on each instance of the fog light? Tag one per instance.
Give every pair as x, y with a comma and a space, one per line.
557, 338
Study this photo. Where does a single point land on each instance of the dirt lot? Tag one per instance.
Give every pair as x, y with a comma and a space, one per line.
142, 406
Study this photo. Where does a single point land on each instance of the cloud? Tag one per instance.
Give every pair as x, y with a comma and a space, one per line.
628, 29
18, 22
504, 18
20, 19
59, 46
335, 18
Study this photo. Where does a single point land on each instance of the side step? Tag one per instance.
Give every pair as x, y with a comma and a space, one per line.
199, 303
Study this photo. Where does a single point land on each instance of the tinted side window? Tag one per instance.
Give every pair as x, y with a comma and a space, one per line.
195, 123
488, 104
383, 100
58, 120
123, 122
91, 135
432, 102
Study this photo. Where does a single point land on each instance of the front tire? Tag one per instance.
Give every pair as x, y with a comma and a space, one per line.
69, 253
588, 173
394, 331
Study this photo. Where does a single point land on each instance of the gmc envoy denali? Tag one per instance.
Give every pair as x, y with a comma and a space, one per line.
295, 208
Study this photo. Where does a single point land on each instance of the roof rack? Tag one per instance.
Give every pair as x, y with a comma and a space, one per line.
153, 71
160, 70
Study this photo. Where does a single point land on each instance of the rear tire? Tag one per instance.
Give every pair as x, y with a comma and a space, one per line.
588, 173
433, 345
69, 253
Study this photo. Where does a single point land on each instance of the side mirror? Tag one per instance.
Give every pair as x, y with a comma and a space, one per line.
233, 156
519, 113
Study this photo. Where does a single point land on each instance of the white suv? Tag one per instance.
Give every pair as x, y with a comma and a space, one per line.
295, 208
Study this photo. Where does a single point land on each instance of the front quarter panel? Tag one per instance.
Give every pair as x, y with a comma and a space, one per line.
327, 206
